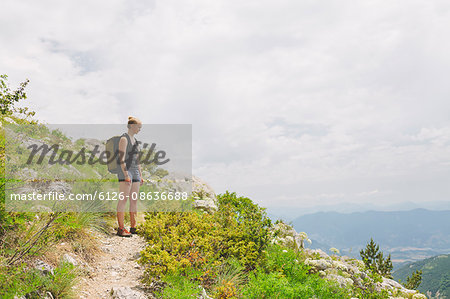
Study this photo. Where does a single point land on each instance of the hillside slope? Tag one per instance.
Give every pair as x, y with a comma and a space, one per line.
435, 274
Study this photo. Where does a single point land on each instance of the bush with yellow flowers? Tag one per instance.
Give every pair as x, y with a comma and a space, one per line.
181, 242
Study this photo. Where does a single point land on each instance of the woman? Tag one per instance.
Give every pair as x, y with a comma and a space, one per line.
130, 176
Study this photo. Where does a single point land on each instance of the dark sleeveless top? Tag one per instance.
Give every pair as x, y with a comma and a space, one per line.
132, 153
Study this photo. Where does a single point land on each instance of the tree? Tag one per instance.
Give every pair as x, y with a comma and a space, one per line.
413, 281
374, 260
9, 98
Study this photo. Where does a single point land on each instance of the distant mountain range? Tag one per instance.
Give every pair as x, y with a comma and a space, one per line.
435, 274
290, 213
407, 235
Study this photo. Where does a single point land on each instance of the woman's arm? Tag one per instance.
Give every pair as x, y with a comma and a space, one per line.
122, 153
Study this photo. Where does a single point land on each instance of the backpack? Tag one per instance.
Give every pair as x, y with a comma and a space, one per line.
112, 150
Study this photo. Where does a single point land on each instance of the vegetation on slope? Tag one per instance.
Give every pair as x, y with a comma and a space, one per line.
228, 253
236, 252
25, 238
435, 275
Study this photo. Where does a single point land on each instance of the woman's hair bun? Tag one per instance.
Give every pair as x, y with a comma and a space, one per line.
133, 120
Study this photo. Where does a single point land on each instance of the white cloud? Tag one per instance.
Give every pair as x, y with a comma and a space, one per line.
336, 93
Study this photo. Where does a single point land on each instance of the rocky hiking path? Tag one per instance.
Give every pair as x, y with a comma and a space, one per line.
115, 272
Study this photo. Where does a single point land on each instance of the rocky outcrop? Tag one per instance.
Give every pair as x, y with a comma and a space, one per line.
347, 272
204, 196
343, 270
91, 143
285, 235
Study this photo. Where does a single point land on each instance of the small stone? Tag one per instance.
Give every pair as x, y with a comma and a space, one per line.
115, 267
43, 267
106, 249
69, 259
126, 293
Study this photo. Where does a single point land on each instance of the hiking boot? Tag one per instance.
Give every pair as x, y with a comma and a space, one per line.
122, 232
133, 230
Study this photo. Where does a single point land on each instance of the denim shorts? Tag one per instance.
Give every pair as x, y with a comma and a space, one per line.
133, 173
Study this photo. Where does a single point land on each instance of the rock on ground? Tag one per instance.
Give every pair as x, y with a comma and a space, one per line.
43, 267
126, 293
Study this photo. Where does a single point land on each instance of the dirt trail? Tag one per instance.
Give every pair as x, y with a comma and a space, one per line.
116, 268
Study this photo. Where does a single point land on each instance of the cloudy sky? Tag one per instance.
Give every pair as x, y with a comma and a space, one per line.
297, 104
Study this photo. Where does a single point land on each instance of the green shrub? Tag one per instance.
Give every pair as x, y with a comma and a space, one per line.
179, 242
25, 235
228, 253
22, 279
179, 287
70, 224
285, 276
230, 279
203, 241
212, 250
245, 227
60, 284
9, 98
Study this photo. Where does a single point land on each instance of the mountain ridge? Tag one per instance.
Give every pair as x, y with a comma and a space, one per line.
408, 235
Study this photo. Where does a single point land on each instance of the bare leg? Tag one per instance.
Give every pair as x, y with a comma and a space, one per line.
133, 203
124, 190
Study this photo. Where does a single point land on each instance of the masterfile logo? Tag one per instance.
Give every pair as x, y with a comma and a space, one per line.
65, 167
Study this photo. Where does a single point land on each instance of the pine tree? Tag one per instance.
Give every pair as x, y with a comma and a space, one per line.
413, 281
374, 260
385, 266
369, 255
